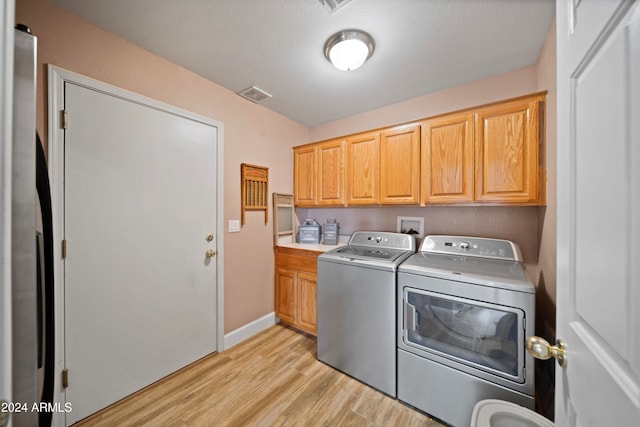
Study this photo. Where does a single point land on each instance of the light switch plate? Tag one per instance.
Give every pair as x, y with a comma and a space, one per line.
234, 226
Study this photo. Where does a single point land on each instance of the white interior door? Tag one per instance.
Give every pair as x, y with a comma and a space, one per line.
598, 212
139, 202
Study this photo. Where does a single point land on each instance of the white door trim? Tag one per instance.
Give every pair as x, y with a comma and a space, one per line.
57, 77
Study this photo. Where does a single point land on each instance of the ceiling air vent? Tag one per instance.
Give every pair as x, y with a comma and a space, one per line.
333, 5
254, 94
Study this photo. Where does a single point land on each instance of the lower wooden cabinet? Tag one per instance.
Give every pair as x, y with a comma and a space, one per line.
296, 288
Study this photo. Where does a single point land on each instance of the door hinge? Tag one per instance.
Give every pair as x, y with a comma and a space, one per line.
65, 378
64, 248
64, 119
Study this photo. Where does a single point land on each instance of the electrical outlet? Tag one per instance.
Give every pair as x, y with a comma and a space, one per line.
234, 226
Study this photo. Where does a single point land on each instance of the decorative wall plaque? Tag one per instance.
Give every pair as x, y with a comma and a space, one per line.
255, 190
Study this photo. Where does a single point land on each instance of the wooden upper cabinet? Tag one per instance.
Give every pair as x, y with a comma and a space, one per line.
363, 169
331, 173
447, 159
400, 165
319, 174
305, 175
491, 154
507, 152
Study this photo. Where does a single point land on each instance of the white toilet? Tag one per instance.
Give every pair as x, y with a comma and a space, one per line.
498, 413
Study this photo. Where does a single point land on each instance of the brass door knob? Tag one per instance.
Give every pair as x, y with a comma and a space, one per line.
541, 349
210, 253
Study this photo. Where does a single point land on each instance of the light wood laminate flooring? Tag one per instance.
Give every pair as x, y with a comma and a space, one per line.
272, 379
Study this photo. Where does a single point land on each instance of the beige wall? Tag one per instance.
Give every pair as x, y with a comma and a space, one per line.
546, 290
519, 224
546, 294
496, 88
252, 134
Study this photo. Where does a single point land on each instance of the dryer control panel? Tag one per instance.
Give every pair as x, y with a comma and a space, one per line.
472, 246
383, 239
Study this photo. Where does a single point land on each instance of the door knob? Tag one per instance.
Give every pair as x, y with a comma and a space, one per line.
210, 253
541, 349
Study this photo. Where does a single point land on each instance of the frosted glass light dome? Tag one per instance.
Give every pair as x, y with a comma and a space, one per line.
348, 49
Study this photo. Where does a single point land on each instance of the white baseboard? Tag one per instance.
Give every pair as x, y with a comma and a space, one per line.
249, 330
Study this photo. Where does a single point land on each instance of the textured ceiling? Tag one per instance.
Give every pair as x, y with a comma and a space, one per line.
422, 46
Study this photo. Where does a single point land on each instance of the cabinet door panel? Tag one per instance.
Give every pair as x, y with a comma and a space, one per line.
331, 174
447, 159
507, 152
400, 165
307, 300
304, 171
285, 290
363, 165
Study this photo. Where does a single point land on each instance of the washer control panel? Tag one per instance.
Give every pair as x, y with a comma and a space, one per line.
472, 246
383, 239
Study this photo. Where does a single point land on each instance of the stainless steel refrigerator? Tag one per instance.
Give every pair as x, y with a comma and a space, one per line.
31, 248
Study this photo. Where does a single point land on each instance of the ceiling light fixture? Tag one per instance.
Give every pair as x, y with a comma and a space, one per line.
348, 49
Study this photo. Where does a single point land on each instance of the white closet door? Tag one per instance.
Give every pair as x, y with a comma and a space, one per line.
140, 200
598, 212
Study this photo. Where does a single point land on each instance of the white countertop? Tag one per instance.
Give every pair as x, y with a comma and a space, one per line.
319, 247
310, 246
